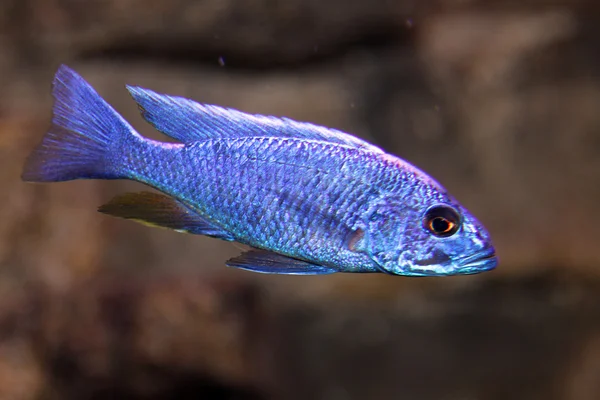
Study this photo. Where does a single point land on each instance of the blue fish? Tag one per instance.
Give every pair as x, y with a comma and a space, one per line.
307, 199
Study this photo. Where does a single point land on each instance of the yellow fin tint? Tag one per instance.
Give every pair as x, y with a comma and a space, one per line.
159, 210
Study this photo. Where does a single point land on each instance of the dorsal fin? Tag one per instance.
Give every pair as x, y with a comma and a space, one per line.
188, 121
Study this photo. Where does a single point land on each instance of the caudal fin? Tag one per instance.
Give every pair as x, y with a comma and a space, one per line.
85, 139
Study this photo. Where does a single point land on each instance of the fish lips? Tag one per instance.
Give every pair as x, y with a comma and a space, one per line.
442, 265
479, 262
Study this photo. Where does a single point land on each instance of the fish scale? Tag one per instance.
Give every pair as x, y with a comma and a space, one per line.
309, 199
312, 219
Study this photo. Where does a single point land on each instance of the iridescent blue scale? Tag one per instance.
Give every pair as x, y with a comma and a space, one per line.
308, 199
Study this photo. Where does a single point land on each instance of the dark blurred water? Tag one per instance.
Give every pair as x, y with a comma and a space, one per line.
498, 100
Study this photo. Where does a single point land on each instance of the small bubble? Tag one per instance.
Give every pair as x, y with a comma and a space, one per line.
409, 23
351, 105
221, 61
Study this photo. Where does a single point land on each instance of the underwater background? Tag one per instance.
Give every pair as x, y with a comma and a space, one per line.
498, 100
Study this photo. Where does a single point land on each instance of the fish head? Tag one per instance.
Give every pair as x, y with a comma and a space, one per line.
449, 241
435, 236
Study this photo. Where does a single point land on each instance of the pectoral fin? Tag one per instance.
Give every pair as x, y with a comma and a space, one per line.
156, 209
273, 263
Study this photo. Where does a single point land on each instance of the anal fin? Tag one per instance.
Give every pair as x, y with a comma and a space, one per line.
272, 263
159, 210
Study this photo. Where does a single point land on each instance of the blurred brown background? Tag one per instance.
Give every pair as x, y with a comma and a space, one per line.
499, 100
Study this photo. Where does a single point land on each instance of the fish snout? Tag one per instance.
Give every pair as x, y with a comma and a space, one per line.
481, 261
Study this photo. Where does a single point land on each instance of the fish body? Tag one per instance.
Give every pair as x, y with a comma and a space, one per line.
305, 199
308, 199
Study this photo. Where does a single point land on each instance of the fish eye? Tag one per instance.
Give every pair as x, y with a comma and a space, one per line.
441, 221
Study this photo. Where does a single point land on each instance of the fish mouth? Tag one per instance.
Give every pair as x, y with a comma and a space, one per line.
479, 262
441, 265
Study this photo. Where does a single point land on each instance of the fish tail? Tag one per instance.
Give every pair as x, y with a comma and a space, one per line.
86, 138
